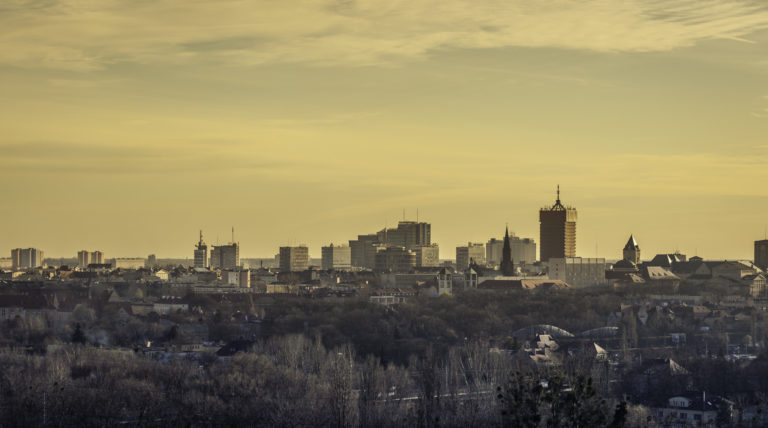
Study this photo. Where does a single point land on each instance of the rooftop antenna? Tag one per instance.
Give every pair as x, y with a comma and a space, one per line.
233, 234
558, 193
417, 215
403, 214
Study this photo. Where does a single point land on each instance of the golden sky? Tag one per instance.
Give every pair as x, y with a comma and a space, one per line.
129, 125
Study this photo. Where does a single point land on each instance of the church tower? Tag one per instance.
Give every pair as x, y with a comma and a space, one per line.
507, 266
632, 250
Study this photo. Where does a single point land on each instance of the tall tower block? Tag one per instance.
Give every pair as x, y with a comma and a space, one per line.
557, 231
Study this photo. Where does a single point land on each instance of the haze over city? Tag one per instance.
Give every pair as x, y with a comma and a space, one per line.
129, 126
359, 213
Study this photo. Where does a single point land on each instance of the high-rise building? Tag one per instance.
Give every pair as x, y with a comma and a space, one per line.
97, 257
631, 250
85, 258
408, 234
24, 258
427, 255
225, 256
294, 259
151, 261
493, 250
363, 251
558, 231
201, 253
761, 254
522, 250
336, 257
472, 252
395, 259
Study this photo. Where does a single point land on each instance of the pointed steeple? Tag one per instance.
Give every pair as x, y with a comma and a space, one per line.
507, 266
632, 250
631, 243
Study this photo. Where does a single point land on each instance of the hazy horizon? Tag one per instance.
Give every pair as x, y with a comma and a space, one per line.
130, 126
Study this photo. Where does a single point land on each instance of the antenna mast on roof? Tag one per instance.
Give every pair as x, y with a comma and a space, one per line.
233, 234
558, 193
417, 215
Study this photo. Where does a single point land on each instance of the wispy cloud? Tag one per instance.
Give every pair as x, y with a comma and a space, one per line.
88, 35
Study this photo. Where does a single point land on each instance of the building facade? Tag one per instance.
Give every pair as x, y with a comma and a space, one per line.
473, 251
294, 259
631, 251
225, 256
395, 259
25, 258
427, 255
408, 234
85, 258
557, 231
363, 251
337, 257
761, 254
201, 253
128, 262
523, 250
578, 271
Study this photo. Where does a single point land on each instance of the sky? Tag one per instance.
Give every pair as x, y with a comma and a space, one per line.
127, 126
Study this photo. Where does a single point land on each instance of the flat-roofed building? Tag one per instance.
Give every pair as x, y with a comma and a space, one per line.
578, 271
239, 278
363, 251
761, 254
395, 259
294, 259
408, 234
25, 258
473, 251
129, 262
225, 256
522, 250
427, 255
338, 257
85, 258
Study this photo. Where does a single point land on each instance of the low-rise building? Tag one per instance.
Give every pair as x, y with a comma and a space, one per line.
690, 411
578, 271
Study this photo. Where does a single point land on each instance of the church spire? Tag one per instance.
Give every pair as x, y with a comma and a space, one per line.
507, 266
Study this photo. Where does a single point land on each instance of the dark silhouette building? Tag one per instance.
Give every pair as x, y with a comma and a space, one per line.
558, 231
507, 266
761, 254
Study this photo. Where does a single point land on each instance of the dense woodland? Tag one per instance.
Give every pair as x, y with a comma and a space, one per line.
447, 361
295, 381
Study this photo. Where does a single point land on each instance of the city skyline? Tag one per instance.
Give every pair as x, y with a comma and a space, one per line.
129, 127
612, 253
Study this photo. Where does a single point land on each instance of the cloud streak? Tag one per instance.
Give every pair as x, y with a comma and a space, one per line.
90, 35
